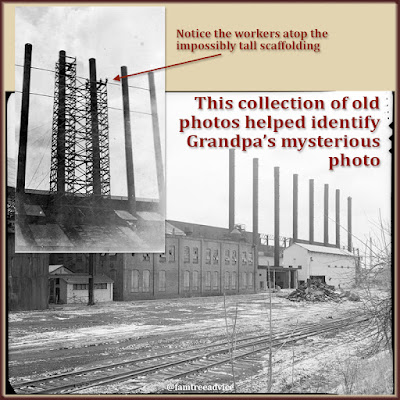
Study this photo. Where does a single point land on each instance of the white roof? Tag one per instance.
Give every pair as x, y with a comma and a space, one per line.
323, 249
63, 270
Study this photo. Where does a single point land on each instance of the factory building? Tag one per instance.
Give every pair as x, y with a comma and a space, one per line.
27, 274
199, 260
271, 275
321, 260
331, 265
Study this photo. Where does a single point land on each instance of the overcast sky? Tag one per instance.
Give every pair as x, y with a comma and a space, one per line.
114, 36
197, 179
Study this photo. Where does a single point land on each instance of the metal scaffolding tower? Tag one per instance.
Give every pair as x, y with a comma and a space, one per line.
72, 156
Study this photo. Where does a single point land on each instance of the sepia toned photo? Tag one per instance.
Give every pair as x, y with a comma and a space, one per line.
88, 148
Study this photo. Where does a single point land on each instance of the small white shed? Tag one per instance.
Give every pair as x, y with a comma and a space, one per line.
74, 288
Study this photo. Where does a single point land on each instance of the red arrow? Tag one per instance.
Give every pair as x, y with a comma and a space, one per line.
118, 78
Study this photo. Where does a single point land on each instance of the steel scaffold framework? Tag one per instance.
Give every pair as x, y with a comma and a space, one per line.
78, 152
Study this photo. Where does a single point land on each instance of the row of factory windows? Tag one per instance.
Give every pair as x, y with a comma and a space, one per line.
190, 254
212, 256
191, 280
85, 286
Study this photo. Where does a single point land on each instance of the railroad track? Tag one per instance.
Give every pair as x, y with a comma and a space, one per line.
176, 364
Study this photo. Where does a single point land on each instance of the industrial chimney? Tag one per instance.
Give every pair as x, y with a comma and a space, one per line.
295, 206
231, 190
338, 218
311, 213
255, 202
349, 228
23, 133
326, 214
276, 220
128, 143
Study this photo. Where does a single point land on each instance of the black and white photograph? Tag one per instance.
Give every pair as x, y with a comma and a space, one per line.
276, 275
88, 150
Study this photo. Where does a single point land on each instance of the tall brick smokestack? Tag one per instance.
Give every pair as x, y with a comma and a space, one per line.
61, 120
94, 115
295, 206
276, 219
255, 201
231, 189
128, 142
311, 213
23, 133
349, 227
338, 218
255, 218
326, 214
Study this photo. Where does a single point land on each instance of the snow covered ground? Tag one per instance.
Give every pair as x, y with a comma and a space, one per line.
73, 336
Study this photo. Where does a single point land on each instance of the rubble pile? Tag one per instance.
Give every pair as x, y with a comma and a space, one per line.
315, 290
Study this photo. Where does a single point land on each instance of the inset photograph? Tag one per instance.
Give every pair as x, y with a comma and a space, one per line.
88, 148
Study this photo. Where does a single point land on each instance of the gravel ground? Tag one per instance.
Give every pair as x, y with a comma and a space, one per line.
66, 337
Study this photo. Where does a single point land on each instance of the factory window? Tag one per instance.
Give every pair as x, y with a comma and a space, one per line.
207, 283
195, 280
57, 281
161, 281
195, 255
227, 257
244, 280
226, 280
162, 258
250, 280
100, 285
299, 267
341, 266
146, 280
215, 284
208, 256
335, 266
135, 280
244, 258
81, 286
234, 257
146, 257
171, 254
186, 254
250, 258
233, 281
329, 266
215, 257
186, 281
